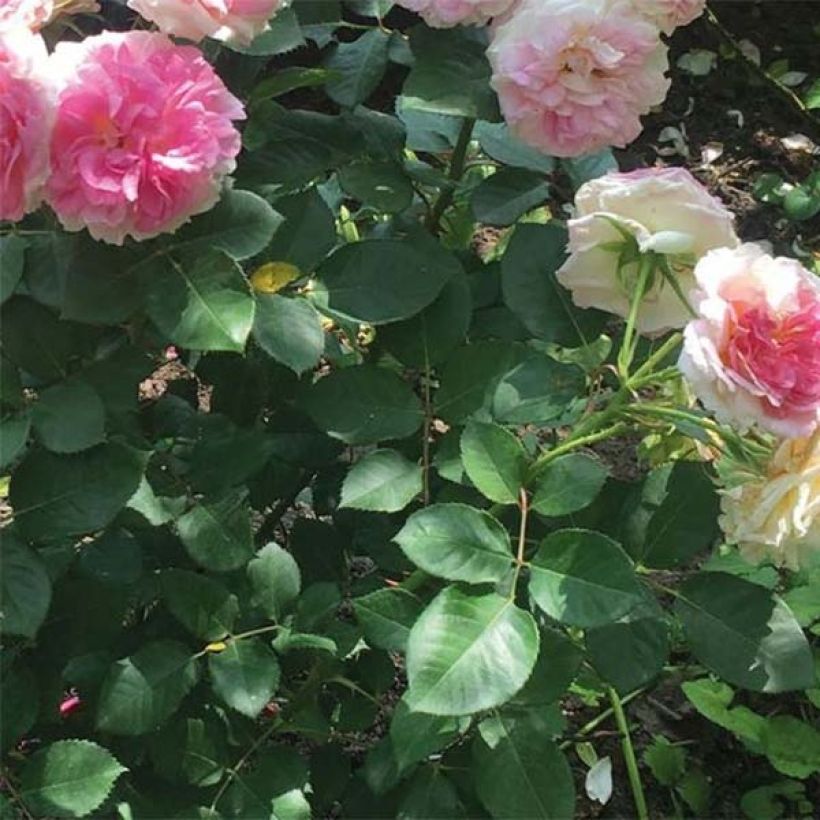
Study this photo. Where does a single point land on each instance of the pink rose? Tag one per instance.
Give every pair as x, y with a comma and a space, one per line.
575, 76
30, 14
25, 120
234, 21
143, 136
669, 14
753, 356
667, 211
448, 13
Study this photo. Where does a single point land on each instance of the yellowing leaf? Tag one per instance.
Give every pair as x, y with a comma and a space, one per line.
273, 276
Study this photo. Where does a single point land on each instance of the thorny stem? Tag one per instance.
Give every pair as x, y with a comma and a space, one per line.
600, 718
445, 198
16, 797
760, 72
428, 422
524, 506
234, 771
574, 443
629, 755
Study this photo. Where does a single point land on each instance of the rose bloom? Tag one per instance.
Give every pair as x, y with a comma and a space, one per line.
575, 76
25, 120
448, 13
669, 14
666, 210
143, 136
233, 21
753, 356
30, 14
778, 516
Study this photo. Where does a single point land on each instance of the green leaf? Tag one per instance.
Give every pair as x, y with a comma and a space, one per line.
290, 330
507, 195
19, 703
428, 794
283, 34
12, 259
583, 578
415, 736
287, 641
498, 142
773, 801
69, 778
293, 147
256, 792
468, 653
470, 378
141, 692
538, 391
428, 337
792, 746
383, 280
590, 166
25, 588
363, 405
55, 496
382, 481
69, 417
812, 97
532, 292
559, 660
245, 675
450, 76
308, 234
241, 224
201, 302
666, 762
203, 606
519, 772
289, 79
275, 580
712, 698
495, 461
113, 558
192, 750
744, 634
13, 437
357, 67
387, 616
217, 534
457, 542
629, 654
35, 340
378, 184
685, 523
568, 484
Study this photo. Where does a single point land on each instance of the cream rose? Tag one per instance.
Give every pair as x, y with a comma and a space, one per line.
778, 517
666, 210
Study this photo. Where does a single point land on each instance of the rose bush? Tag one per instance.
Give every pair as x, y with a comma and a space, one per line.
317, 337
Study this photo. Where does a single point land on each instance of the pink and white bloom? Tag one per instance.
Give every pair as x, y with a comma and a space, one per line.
25, 120
575, 76
144, 135
667, 211
670, 14
753, 356
776, 517
30, 14
449, 13
232, 21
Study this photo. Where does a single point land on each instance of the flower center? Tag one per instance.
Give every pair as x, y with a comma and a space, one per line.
778, 355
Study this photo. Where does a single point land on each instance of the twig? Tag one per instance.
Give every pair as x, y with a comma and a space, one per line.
446, 197
785, 92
